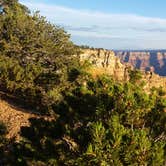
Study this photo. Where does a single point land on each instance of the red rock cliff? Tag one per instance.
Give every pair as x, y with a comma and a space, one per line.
105, 62
148, 61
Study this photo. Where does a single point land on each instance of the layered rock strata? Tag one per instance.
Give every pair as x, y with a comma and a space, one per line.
105, 62
154, 61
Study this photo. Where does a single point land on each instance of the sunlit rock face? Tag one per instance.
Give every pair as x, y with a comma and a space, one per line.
105, 62
154, 80
154, 61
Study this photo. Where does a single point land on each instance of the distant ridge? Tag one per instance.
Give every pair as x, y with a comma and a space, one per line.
105, 62
139, 50
147, 60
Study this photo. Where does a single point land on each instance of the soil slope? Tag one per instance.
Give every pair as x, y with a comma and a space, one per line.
14, 118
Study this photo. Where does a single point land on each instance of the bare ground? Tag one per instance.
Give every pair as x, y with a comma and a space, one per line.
14, 118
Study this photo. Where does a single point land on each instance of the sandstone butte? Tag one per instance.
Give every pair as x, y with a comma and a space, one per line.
105, 62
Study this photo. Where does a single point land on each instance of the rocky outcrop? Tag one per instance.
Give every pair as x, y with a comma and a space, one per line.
105, 62
154, 61
153, 80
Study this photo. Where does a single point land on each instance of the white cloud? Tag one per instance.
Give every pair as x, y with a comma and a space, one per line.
147, 32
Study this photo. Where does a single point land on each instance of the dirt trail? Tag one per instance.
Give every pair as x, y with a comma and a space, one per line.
14, 118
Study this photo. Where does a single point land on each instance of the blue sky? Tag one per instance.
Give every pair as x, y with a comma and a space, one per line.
112, 24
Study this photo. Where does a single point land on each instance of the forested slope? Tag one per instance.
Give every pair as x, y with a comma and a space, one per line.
83, 120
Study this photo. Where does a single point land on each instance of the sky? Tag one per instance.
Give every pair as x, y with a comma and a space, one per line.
111, 24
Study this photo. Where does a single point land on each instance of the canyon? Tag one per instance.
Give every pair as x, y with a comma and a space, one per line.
153, 60
115, 64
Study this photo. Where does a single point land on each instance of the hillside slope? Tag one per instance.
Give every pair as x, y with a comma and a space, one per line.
14, 118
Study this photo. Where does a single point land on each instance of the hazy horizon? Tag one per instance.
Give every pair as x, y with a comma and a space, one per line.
108, 24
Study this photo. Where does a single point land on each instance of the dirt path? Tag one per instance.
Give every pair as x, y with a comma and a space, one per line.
14, 118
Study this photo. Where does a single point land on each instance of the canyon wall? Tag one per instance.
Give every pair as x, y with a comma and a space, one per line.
154, 61
105, 62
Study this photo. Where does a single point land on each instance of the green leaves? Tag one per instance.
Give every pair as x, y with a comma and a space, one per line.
135, 76
98, 121
35, 57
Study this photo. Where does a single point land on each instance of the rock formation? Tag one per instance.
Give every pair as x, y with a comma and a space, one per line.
154, 61
153, 80
105, 62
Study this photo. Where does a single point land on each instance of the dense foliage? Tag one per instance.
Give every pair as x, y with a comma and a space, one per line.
34, 56
93, 121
